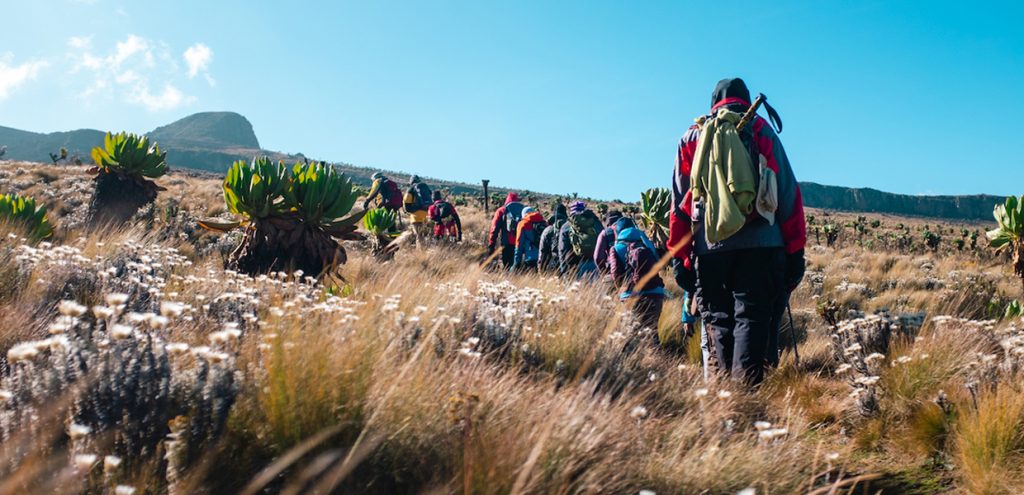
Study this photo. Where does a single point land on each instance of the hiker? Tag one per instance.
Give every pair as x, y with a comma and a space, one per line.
632, 260
577, 241
418, 199
528, 232
503, 229
385, 191
605, 240
447, 224
548, 260
736, 228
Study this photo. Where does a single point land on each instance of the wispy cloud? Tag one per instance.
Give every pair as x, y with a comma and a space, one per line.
198, 58
126, 70
13, 76
169, 99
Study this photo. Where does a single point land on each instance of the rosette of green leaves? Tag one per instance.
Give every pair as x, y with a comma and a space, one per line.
253, 190
380, 221
1010, 217
655, 204
129, 154
22, 211
1010, 233
322, 196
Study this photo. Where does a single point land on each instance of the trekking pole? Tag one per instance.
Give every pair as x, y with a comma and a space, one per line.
792, 334
751, 112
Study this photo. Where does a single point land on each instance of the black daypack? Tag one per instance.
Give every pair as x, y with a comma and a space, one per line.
421, 197
444, 213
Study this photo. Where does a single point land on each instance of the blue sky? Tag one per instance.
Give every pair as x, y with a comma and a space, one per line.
588, 97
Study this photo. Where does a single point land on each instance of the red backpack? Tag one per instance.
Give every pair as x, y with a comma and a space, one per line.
391, 195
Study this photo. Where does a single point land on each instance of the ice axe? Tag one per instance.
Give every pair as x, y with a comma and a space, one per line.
750, 113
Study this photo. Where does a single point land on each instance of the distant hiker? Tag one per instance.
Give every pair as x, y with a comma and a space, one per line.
528, 233
503, 229
385, 191
418, 199
578, 241
736, 227
605, 240
447, 224
633, 261
549, 260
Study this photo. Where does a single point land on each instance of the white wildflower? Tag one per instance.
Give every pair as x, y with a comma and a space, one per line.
111, 462
700, 392
171, 309
76, 431
71, 308
762, 425
724, 394
116, 299
638, 412
119, 332
124, 490
874, 356
84, 461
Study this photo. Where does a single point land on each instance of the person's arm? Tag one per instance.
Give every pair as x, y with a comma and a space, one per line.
680, 228
495, 228
601, 251
374, 191
616, 268
791, 205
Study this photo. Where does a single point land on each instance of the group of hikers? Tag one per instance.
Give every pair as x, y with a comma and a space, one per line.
574, 242
736, 236
429, 213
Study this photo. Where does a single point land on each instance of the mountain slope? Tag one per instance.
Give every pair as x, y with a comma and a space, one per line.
976, 207
208, 130
211, 141
36, 147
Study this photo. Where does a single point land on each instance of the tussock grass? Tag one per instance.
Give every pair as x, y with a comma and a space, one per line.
431, 373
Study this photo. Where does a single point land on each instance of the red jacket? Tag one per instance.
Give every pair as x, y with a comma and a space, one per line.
498, 227
791, 231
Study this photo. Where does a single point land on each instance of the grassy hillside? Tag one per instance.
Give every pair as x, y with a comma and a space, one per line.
431, 373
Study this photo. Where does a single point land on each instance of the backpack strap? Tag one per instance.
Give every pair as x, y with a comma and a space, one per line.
773, 116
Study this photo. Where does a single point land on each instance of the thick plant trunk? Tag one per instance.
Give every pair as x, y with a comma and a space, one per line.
116, 198
286, 245
1018, 261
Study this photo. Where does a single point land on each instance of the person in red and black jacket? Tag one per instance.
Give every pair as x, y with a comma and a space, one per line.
740, 281
503, 229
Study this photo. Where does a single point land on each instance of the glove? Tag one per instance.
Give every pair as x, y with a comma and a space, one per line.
685, 277
796, 265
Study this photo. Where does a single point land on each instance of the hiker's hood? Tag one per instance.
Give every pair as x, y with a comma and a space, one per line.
560, 212
511, 198
414, 180
577, 207
612, 217
731, 91
630, 234
377, 176
623, 224
528, 210
532, 216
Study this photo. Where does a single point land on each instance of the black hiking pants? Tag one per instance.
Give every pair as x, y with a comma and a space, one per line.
508, 256
738, 292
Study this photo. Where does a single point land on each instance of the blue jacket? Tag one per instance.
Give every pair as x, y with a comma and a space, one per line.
619, 264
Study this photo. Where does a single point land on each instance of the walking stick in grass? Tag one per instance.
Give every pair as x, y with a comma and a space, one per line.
792, 334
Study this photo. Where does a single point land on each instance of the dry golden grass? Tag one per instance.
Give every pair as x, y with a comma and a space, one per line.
432, 373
